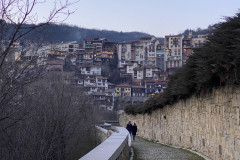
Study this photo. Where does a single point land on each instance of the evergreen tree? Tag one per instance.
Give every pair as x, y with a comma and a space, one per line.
215, 64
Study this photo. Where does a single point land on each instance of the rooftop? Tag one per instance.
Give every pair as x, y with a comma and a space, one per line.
123, 85
138, 68
138, 87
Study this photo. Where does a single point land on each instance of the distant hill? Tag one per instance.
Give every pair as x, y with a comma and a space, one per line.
55, 33
200, 31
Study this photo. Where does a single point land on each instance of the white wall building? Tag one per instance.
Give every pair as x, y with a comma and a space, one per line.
124, 53
66, 46
198, 41
149, 72
101, 82
173, 47
90, 70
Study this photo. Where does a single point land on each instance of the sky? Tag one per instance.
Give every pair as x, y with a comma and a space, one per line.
155, 17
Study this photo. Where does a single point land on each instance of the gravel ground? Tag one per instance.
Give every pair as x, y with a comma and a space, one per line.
146, 150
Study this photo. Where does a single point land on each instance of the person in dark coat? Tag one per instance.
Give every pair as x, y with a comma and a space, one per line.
134, 131
129, 127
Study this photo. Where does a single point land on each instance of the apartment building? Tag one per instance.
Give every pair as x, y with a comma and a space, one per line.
173, 49
123, 90
124, 53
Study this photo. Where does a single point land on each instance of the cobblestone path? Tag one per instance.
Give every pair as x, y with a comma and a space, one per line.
146, 150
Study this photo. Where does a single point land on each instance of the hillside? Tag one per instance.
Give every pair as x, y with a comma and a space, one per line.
55, 33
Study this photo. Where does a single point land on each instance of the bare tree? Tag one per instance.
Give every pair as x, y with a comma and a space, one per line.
59, 124
15, 73
41, 117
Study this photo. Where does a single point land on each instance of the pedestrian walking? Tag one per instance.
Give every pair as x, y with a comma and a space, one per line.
129, 127
134, 131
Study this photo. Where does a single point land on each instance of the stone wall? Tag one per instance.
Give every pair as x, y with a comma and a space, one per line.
210, 124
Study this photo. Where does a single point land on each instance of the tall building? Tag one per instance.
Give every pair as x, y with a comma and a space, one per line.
173, 48
124, 53
142, 51
160, 57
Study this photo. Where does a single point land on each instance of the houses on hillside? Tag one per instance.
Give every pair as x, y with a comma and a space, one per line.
144, 65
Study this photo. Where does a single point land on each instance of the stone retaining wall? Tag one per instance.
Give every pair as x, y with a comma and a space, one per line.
210, 124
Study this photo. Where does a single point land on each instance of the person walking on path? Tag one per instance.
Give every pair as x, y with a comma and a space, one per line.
134, 131
129, 127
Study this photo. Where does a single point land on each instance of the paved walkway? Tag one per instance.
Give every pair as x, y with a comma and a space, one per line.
146, 150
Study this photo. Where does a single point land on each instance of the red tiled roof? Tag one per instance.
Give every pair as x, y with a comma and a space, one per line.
149, 80
123, 85
138, 87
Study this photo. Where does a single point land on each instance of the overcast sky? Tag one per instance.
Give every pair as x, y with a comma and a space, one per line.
156, 17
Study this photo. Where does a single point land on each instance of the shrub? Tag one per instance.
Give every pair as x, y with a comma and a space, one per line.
215, 64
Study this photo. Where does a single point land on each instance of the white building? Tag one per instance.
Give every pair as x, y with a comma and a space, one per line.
139, 73
130, 66
139, 52
149, 72
66, 46
89, 82
173, 48
198, 41
124, 53
90, 70
101, 82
